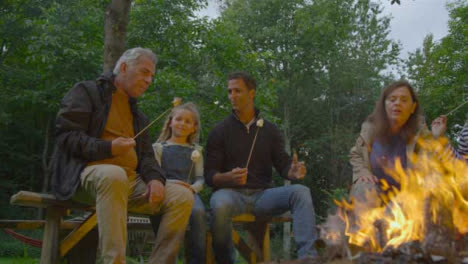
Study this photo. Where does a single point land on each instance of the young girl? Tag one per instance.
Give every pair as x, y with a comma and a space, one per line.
439, 126
180, 157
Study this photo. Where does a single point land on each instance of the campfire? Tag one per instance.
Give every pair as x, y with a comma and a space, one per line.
426, 221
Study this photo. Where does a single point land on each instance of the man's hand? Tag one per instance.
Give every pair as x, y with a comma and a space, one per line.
297, 170
154, 192
239, 176
235, 177
439, 126
122, 145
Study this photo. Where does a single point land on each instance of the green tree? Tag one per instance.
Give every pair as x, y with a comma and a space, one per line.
195, 55
439, 70
45, 48
325, 62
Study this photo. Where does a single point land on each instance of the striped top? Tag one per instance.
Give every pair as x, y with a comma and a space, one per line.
463, 142
461, 152
450, 153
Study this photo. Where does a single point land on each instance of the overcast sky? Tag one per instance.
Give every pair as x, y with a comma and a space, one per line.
415, 19
411, 22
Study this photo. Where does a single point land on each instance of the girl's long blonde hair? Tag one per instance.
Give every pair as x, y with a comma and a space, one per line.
166, 132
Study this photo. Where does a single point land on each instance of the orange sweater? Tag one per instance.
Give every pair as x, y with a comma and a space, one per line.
120, 124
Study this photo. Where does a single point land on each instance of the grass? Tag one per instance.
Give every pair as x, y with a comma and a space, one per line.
18, 260
27, 260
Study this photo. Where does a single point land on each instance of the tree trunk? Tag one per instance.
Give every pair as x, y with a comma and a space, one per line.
115, 30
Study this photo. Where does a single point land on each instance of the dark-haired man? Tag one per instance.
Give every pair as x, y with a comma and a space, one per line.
241, 189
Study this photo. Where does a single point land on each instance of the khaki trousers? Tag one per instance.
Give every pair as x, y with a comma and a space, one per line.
113, 193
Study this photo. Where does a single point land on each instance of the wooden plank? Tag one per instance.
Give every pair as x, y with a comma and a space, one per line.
35, 224
248, 218
50, 241
244, 218
22, 224
75, 236
243, 248
65, 225
266, 244
42, 200
210, 258
280, 219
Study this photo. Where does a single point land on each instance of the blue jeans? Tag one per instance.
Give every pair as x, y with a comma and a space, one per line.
197, 233
227, 203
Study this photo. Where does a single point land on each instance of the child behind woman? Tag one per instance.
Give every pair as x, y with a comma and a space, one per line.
178, 153
439, 126
463, 142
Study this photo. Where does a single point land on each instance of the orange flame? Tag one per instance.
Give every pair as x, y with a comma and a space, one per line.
434, 182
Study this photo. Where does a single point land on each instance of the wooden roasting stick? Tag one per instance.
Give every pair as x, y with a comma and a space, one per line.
456, 108
175, 102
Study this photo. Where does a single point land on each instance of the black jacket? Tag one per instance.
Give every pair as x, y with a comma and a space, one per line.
80, 121
229, 145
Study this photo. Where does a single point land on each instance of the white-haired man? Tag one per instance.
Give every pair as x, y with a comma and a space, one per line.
97, 161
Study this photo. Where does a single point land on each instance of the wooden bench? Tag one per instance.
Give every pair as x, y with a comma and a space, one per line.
256, 247
52, 248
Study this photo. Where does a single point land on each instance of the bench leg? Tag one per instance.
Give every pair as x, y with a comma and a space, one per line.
76, 235
247, 251
258, 239
50, 241
86, 250
210, 258
266, 244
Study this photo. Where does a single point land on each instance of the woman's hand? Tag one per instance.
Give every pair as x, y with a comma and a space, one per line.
439, 126
368, 179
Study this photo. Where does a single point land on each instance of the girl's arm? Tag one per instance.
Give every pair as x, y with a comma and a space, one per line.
197, 186
158, 149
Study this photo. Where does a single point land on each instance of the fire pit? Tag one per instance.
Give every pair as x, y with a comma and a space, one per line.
426, 221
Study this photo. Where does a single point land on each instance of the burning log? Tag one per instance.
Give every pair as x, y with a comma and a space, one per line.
311, 261
439, 232
438, 245
426, 221
381, 227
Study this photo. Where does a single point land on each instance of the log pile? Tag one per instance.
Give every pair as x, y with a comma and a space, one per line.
441, 243
410, 252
